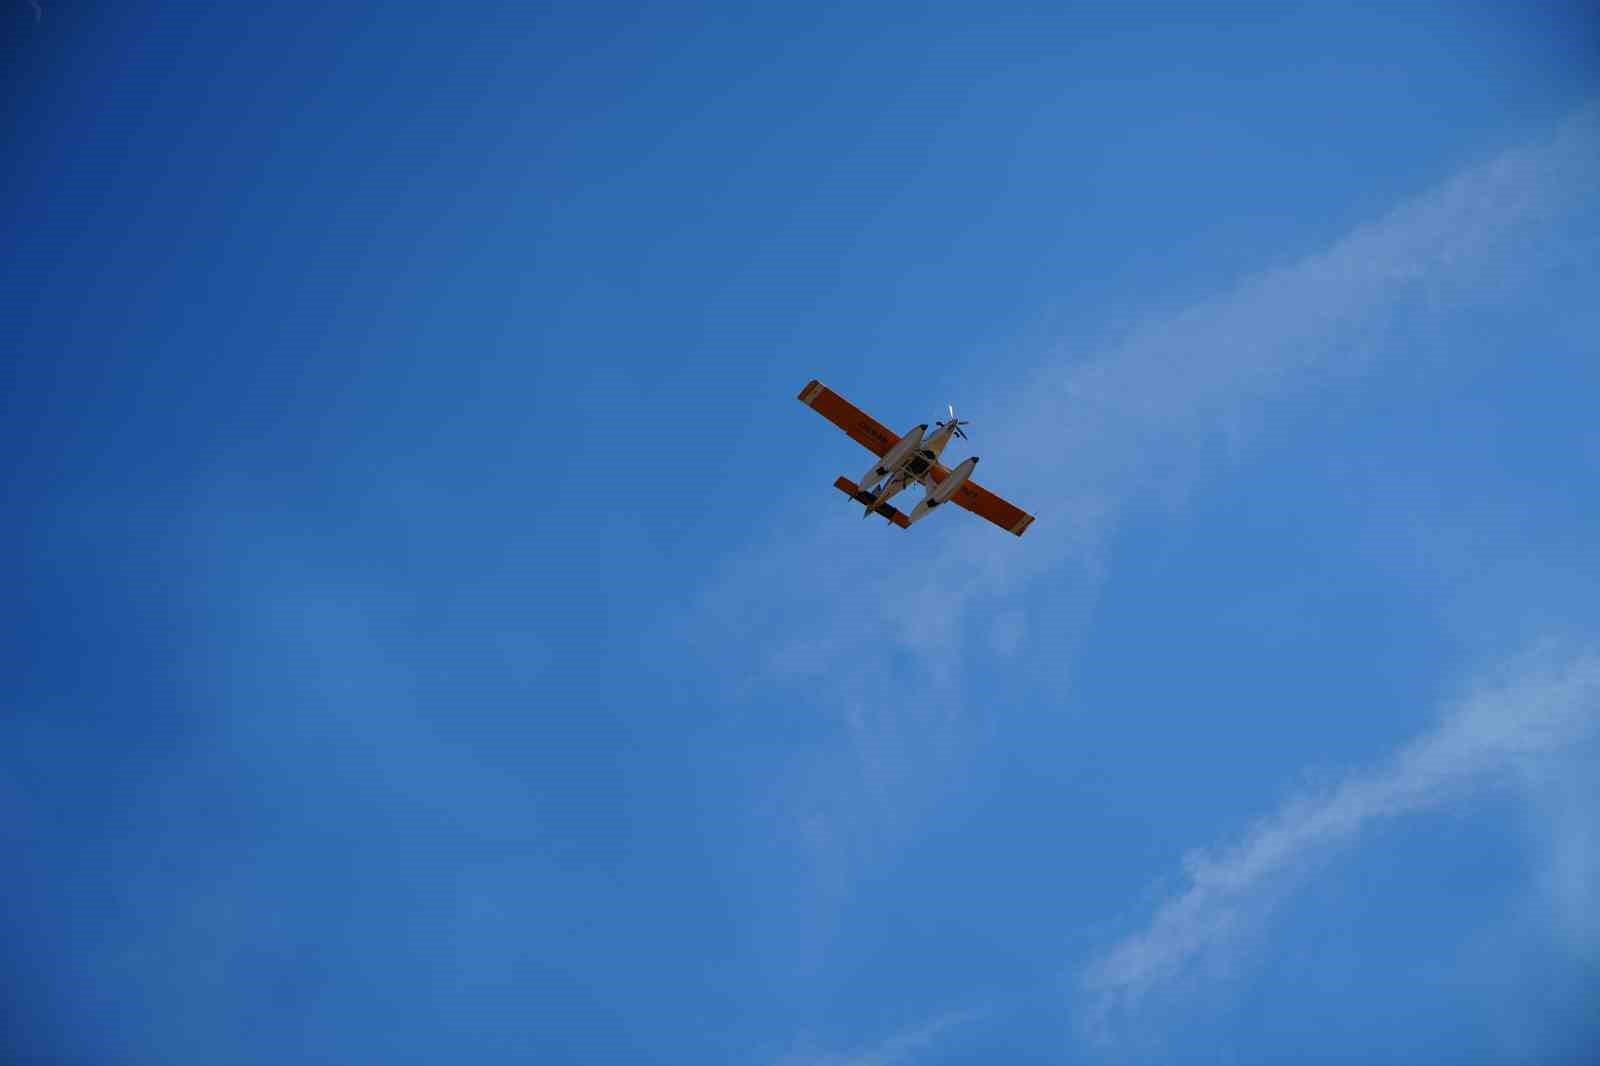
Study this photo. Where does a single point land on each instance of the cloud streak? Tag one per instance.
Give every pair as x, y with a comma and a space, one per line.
897, 1050
883, 644
1511, 725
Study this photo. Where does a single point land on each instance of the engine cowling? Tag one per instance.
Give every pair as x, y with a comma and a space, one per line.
957, 477
893, 458
945, 489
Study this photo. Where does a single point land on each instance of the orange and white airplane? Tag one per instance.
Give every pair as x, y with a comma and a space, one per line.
913, 457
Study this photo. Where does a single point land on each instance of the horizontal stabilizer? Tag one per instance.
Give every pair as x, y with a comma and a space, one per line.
848, 487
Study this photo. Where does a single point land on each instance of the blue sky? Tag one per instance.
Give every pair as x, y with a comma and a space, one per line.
434, 635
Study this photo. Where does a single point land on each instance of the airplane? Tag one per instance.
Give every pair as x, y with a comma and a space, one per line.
911, 457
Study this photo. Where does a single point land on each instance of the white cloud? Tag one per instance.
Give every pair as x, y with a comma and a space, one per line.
901, 1048
878, 627
1519, 724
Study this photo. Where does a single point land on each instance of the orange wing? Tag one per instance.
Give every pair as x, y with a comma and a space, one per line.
862, 427
985, 504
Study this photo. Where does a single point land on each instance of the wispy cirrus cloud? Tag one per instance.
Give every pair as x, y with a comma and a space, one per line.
881, 638
899, 1049
1518, 724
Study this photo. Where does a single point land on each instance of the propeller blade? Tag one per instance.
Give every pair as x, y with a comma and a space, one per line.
955, 423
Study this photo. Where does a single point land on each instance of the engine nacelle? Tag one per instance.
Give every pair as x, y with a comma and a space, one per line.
958, 477
945, 489
893, 458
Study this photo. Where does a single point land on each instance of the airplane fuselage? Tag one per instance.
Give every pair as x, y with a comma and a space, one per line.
914, 467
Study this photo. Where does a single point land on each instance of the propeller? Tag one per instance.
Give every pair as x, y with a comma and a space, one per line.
955, 423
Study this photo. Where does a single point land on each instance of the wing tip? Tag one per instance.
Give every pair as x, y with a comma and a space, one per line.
808, 395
